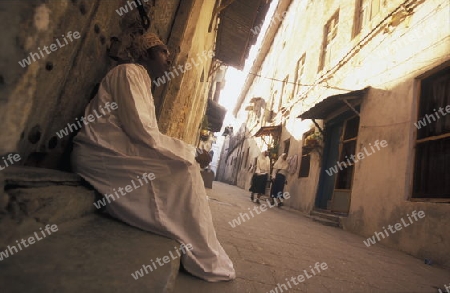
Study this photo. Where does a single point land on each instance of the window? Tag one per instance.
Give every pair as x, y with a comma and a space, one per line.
240, 160
246, 158
432, 157
360, 11
330, 33
305, 164
347, 149
299, 74
287, 144
365, 10
305, 160
284, 91
375, 8
275, 102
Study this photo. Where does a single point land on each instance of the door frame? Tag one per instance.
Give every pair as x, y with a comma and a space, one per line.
342, 119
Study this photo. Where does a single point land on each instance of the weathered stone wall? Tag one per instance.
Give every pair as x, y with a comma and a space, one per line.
38, 100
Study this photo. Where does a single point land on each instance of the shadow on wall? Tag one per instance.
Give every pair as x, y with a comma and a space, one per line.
39, 99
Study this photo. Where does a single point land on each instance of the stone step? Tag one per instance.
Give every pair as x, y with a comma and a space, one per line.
17, 176
325, 221
92, 254
329, 216
32, 197
326, 218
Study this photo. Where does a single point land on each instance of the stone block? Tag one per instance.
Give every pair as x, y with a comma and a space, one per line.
3, 196
93, 254
54, 204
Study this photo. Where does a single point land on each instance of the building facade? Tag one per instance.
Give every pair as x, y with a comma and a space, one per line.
357, 93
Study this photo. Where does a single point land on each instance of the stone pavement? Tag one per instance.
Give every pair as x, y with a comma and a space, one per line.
278, 244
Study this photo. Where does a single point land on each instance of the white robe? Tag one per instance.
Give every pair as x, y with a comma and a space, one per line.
281, 166
124, 144
262, 164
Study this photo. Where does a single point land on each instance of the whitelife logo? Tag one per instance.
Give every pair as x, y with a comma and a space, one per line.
360, 156
11, 158
423, 122
89, 118
259, 209
318, 267
132, 4
27, 242
165, 259
169, 75
397, 226
447, 289
276, 18
71, 36
128, 189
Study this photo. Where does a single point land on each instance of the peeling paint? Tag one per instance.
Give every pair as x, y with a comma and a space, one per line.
42, 18
30, 43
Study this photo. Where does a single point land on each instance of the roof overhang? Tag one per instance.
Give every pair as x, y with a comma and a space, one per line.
255, 99
326, 107
268, 130
237, 30
216, 114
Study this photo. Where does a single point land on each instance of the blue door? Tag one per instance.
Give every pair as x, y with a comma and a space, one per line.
330, 157
335, 183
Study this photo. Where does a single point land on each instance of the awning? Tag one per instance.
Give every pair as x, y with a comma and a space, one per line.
216, 115
324, 108
269, 130
255, 99
239, 27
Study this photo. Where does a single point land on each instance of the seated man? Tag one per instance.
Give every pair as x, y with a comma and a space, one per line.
124, 144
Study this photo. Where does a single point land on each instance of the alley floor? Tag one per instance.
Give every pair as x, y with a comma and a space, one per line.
278, 248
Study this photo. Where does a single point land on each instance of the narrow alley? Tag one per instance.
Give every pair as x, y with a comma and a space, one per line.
278, 244
225, 146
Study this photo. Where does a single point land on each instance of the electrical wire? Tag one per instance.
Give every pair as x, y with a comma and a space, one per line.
346, 58
295, 83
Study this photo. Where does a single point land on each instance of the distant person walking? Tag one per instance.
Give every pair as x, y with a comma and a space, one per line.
280, 171
260, 177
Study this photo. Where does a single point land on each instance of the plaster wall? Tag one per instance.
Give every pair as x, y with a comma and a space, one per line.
390, 59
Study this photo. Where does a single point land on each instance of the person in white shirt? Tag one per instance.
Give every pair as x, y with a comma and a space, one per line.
260, 178
124, 145
279, 173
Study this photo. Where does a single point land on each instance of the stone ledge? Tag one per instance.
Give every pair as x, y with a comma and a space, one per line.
23, 176
32, 197
92, 254
30, 208
3, 196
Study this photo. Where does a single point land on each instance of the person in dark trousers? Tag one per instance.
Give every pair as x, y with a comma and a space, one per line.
279, 173
260, 177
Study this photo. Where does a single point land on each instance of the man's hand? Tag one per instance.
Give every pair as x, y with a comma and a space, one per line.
203, 158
